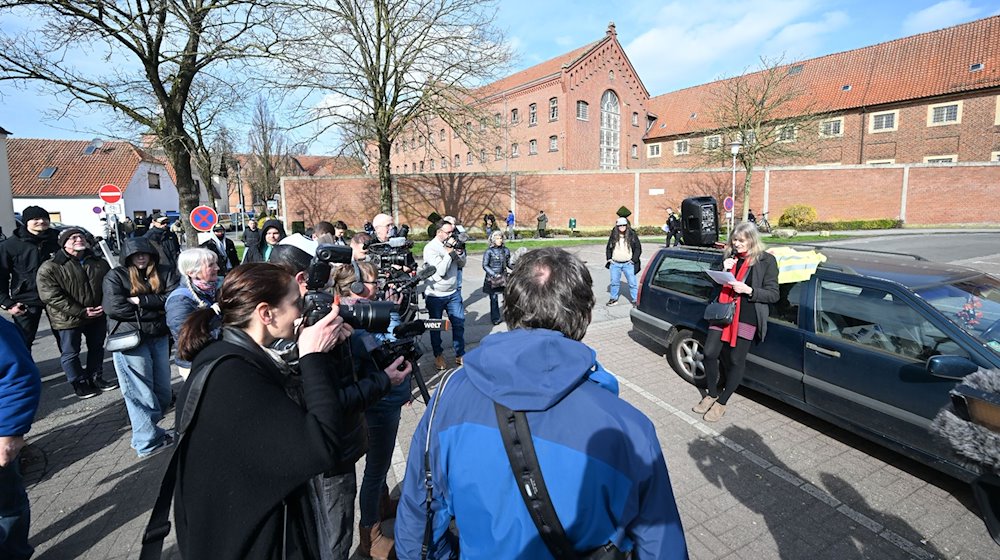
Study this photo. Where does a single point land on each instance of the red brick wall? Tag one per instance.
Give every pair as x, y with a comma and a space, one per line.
941, 194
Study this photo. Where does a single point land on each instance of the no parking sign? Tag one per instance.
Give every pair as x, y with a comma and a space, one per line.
203, 218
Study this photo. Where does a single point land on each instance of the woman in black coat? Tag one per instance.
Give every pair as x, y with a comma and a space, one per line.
755, 287
496, 263
246, 458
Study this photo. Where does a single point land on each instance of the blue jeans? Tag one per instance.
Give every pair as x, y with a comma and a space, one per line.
626, 268
436, 306
383, 423
144, 376
15, 514
94, 332
336, 523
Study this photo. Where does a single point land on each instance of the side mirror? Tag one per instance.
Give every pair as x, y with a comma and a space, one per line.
950, 367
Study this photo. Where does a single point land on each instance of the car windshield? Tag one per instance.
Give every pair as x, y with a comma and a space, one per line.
973, 304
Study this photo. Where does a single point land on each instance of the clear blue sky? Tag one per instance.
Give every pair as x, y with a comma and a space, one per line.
673, 44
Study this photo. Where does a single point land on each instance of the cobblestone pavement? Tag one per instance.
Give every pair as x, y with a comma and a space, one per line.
765, 482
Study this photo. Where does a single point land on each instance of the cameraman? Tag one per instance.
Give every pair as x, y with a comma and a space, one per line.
332, 493
384, 230
442, 290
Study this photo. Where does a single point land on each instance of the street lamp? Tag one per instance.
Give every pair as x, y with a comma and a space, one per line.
734, 147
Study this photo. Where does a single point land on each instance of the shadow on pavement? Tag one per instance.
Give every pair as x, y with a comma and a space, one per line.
798, 523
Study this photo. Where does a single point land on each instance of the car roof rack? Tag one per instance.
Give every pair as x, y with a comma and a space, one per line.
855, 249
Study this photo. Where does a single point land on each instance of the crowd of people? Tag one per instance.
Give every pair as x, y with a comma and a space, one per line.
281, 397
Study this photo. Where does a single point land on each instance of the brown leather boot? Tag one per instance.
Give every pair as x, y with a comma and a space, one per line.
458, 361
374, 543
439, 362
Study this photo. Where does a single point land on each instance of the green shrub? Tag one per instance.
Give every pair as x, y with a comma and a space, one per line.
798, 216
881, 223
649, 230
624, 212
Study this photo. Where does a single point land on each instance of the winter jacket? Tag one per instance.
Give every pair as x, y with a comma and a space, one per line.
255, 253
151, 313
180, 304
227, 259
20, 383
68, 284
764, 281
633, 243
251, 238
600, 457
496, 261
166, 243
20, 257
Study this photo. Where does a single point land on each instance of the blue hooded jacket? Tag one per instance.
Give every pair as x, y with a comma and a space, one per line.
599, 456
20, 383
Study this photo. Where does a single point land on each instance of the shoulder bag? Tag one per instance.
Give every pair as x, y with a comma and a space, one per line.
528, 474
116, 341
720, 314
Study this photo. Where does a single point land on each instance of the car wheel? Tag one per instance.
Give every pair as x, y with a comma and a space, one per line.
686, 354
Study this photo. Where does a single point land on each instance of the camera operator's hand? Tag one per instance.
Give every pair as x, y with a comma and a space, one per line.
393, 296
325, 334
398, 370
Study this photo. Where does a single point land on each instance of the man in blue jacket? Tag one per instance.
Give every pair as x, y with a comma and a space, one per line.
20, 388
598, 455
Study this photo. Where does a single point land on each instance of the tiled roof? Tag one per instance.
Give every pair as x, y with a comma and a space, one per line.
538, 72
77, 174
330, 165
920, 66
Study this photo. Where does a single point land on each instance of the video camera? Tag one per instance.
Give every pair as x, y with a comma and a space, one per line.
407, 344
457, 240
370, 316
395, 251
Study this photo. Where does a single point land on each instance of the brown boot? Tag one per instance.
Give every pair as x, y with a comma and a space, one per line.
715, 413
458, 361
705, 404
374, 544
439, 362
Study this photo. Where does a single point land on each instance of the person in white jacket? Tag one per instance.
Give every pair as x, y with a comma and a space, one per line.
442, 292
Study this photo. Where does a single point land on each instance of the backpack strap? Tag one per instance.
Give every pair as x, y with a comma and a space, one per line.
428, 474
159, 521
528, 476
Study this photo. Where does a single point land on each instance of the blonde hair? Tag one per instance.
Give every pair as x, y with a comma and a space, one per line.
748, 231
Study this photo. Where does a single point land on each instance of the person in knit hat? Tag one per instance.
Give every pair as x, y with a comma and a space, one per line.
21, 255
70, 285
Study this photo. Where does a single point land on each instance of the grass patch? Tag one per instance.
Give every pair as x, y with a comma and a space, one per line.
481, 246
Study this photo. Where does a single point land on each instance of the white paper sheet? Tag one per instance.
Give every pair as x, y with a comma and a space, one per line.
721, 277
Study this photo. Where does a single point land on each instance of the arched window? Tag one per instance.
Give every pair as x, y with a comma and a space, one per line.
498, 153
582, 110
532, 114
610, 130
458, 160
444, 163
553, 109
421, 166
514, 118
482, 156
468, 158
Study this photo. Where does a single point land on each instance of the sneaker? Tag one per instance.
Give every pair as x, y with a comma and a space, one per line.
85, 389
105, 385
611, 302
169, 439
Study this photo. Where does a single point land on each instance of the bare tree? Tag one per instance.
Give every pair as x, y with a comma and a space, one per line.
270, 156
153, 53
769, 113
387, 66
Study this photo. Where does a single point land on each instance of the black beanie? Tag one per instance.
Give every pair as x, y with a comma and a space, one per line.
34, 213
66, 233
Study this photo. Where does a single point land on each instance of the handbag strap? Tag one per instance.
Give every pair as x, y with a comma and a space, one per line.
528, 475
158, 526
119, 323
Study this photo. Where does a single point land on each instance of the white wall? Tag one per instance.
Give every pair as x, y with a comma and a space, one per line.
6, 200
138, 195
74, 211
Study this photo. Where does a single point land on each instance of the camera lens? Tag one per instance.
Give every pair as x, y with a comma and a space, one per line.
372, 316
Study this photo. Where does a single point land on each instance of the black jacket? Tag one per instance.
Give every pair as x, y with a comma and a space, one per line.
764, 281
152, 316
634, 244
255, 253
20, 257
249, 454
496, 261
227, 261
166, 243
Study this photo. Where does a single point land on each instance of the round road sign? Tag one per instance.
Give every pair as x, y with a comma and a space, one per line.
110, 193
203, 218
728, 204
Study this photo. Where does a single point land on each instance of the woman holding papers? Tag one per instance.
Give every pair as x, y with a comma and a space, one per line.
754, 287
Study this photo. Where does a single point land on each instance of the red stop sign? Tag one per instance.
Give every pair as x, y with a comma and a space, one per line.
110, 194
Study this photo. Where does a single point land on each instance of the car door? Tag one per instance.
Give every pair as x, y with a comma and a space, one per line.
679, 289
775, 364
865, 360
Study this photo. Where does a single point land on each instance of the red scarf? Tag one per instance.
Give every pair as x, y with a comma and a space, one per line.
729, 332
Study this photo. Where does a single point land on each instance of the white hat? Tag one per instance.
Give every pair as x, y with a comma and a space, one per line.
621, 222
301, 242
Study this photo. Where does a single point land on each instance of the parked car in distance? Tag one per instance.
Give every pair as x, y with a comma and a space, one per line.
872, 342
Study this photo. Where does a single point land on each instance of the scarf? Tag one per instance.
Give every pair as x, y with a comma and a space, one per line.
729, 332
205, 288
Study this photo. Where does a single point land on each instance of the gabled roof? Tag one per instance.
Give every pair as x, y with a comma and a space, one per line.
330, 165
549, 69
76, 174
920, 66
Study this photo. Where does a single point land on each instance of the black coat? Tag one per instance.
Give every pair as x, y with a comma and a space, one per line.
250, 451
255, 253
633, 243
166, 243
151, 313
227, 261
764, 281
20, 256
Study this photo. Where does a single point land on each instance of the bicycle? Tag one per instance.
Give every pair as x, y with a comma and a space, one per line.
763, 225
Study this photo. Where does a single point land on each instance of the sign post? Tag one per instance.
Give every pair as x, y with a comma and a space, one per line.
203, 218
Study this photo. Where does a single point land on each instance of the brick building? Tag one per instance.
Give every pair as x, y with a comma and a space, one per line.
927, 98
585, 109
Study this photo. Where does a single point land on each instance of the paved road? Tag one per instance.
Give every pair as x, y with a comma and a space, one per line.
766, 482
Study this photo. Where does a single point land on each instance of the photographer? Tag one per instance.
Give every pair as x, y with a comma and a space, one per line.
333, 492
384, 229
442, 290
244, 462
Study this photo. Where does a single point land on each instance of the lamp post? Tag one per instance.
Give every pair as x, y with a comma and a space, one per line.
734, 148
